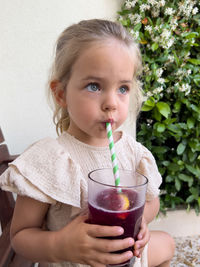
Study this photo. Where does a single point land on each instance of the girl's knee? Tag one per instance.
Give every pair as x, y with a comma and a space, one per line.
170, 244
161, 248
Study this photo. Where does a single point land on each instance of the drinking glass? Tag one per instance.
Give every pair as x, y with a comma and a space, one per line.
117, 206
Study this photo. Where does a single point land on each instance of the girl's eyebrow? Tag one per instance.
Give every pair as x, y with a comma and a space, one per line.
92, 78
99, 79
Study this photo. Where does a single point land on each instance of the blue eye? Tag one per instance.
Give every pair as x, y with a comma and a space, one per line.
92, 87
123, 90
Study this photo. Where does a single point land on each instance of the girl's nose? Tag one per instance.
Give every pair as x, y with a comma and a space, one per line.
109, 102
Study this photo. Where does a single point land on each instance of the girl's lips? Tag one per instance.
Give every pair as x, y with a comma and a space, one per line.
111, 121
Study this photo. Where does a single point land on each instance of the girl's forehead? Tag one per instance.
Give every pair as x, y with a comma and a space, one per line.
107, 42
105, 58
107, 48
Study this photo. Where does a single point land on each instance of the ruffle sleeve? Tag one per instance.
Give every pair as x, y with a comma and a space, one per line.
46, 173
148, 167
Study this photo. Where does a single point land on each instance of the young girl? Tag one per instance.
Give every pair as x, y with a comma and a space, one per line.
93, 78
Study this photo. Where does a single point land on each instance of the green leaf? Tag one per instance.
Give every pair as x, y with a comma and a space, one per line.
159, 149
177, 106
190, 35
186, 178
137, 27
173, 167
156, 114
192, 156
154, 46
199, 201
190, 122
169, 179
176, 59
181, 148
173, 128
194, 61
149, 104
177, 184
164, 109
195, 192
146, 108
190, 199
160, 127
193, 170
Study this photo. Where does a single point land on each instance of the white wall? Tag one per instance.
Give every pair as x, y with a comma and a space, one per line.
28, 31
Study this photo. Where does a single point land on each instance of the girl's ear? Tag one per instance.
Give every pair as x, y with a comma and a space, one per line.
59, 93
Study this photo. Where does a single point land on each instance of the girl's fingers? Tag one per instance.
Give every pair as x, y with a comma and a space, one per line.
96, 264
143, 238
140, 244
105, 245
104, 231
113, 258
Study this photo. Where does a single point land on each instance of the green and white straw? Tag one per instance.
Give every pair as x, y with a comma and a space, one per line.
113, 154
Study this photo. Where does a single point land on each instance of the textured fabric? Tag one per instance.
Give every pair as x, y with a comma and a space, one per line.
55, 172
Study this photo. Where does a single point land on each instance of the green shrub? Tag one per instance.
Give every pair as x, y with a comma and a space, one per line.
169, 124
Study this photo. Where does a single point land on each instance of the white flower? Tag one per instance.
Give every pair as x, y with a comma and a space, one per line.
174, 24
169, 11
134, 33
152, 2
148, 28
128, 4
133, 3
155, 12
162, 3
131, 17
176, 85
161, 80
144, 7
158, 90
156, 39
169, 90
187, 56
136, 18
171, 58
195, 11
165, 34
185, 88
170, 43
148, 94
159, 72
186, 8
147, 70
189, 72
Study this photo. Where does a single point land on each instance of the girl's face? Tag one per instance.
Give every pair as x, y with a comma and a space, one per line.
98, 91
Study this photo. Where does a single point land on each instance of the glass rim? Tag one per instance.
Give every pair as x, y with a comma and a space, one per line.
119, 186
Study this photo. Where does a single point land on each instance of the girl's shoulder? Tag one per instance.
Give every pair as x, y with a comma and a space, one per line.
44, 171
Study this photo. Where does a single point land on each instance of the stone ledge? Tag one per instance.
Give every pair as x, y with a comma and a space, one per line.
177, 223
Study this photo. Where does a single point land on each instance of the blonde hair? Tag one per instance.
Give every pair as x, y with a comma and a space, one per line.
72, 41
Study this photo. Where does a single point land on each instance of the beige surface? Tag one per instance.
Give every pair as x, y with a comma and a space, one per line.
178, 223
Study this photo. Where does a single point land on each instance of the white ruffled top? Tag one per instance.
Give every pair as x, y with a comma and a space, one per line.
56, 171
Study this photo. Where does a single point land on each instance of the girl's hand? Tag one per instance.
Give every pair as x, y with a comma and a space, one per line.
83, 243
143, 238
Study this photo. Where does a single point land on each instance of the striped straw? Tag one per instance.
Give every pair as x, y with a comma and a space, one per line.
113, 155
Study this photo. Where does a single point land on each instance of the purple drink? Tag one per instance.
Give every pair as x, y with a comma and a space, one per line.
117, 206
111, 208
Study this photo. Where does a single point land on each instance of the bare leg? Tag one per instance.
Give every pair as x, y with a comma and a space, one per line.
160, 249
